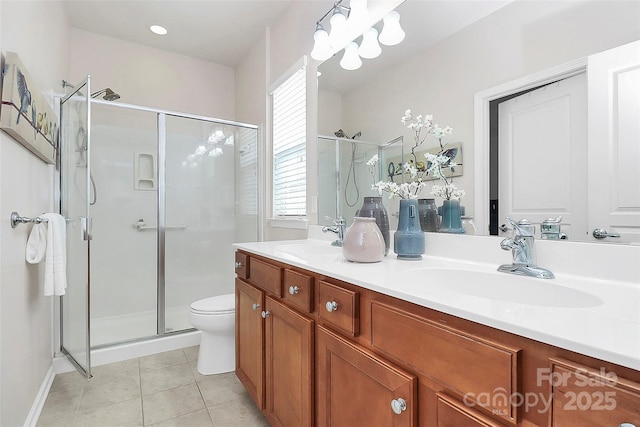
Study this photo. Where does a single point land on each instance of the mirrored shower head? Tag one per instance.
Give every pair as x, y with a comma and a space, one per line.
109, 95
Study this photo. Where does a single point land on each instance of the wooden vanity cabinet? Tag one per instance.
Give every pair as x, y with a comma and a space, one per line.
355, 362
275, 342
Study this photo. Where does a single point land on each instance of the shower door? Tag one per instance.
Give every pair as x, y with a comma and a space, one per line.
75, 173
208, 186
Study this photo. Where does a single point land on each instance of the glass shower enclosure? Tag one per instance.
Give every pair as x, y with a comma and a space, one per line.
163, 196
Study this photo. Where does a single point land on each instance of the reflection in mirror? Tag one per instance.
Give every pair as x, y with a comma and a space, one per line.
467, 48
345, 179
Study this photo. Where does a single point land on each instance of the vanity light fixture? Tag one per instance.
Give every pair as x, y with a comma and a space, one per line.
345, 29
158, 29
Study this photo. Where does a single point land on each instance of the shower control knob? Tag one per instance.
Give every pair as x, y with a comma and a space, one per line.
331, 306
265, 314
294, 290
255, 306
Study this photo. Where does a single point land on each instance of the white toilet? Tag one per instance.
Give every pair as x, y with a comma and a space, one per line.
215, 318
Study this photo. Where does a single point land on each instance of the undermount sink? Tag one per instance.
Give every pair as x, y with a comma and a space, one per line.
499, 286
309, 250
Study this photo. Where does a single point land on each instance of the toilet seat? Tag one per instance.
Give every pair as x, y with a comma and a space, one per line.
221, 304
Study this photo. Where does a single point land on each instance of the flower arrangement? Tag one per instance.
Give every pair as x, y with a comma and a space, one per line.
436, 164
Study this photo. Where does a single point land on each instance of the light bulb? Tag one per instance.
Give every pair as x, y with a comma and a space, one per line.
321, 50
350, 60
392, 33
369, 48
338, 27
358, 14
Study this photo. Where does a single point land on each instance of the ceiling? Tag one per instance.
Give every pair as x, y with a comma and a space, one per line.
219, 31
222, 31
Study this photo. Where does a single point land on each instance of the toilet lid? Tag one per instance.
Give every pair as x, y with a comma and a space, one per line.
220, 304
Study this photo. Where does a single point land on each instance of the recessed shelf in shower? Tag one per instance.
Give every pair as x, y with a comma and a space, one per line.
144, 171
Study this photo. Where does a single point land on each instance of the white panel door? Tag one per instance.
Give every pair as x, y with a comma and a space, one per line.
614, 143
543, 156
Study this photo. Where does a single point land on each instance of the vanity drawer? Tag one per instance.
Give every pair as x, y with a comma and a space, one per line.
298, 290
452, 413
339, 307
587, 397
464, 364
266, 276
242, 262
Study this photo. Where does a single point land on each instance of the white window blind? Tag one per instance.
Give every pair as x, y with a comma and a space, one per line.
289, 146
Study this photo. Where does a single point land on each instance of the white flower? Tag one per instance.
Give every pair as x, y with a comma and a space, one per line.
373, 160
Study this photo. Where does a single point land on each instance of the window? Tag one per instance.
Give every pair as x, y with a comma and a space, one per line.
289, 144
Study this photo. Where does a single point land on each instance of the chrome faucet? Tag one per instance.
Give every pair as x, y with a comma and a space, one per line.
523, 250
338, 228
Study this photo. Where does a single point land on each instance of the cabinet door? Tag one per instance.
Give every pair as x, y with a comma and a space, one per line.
289, 366
586, 397
357, 388
250, 340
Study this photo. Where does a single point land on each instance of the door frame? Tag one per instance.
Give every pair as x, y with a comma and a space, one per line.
482, 128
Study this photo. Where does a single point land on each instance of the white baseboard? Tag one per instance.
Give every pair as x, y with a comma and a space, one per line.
41, 397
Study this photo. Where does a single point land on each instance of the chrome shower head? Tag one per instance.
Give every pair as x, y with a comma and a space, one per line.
109, 95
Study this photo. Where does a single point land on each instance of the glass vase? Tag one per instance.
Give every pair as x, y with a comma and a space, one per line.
372, 207
408, 240
363, 241
451, 217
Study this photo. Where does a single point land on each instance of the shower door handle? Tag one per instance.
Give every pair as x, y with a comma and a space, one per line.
85, 224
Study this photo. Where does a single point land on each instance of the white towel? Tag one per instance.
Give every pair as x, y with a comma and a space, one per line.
55, 266
36, 244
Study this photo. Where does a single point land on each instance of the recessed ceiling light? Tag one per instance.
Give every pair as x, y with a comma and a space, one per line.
158, 29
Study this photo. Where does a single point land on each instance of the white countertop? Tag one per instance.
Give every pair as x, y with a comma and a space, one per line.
593, 316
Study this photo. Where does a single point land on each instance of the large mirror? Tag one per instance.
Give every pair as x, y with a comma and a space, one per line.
455, 50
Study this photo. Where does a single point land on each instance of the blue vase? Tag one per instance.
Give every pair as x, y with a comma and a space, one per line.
408, 240
451, 217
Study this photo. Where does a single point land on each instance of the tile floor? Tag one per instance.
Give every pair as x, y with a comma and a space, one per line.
162, 390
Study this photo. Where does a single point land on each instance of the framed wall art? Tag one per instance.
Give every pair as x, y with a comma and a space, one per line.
25, 115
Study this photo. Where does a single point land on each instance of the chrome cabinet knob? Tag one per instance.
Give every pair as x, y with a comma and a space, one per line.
599, 233
398, 405
627, 425
265, 314
238, 264
294, 290
255, 306
331, 306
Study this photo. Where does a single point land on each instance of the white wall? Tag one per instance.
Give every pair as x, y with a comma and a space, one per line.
152, 77
522, 38
38, 33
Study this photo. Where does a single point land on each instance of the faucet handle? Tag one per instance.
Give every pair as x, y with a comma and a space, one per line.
336, 221
523, 228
